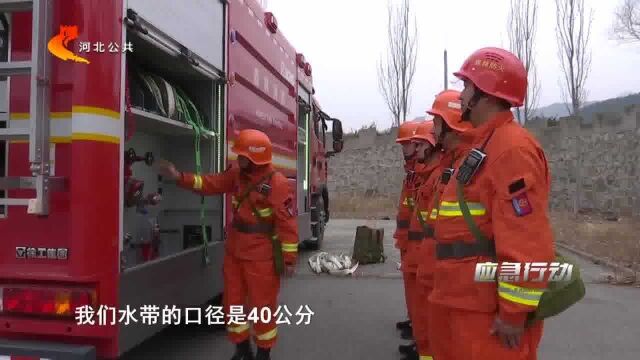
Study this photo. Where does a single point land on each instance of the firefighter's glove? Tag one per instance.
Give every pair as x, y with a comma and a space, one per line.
167, 169
509, 335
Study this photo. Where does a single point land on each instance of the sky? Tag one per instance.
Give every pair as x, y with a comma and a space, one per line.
343, 41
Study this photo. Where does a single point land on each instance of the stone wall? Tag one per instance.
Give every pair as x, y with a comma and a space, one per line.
370, 164
594, 165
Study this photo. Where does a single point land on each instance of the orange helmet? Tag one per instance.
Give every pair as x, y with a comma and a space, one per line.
496, 72
447, 105
424, 131
255, 145
406, 131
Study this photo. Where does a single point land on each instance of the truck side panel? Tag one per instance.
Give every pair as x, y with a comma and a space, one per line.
87, 129
261, 93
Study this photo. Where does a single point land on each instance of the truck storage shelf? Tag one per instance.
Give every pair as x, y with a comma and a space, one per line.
156, 124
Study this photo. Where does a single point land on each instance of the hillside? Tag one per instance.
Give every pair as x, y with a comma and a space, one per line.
616, 104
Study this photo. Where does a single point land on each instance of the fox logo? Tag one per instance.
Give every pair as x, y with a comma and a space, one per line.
58, 44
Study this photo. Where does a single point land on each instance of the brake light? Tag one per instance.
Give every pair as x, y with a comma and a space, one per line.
60, 302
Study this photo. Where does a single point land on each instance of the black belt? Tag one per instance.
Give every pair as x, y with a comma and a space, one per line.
402, 224
260, 228
429, 232
415, 235
460, 249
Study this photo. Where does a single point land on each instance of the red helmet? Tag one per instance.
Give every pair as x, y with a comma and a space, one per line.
424, 132
255, 145
406, 131
496, 72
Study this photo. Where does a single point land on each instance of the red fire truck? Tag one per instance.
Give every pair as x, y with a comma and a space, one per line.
95, 91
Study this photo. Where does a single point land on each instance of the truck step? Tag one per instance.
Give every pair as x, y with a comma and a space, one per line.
14, 67
14, 134
15, 5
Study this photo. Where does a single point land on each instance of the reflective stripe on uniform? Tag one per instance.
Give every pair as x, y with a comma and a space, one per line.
268, 335
408, 201
519, 295
266, 212
290, 247
434, 214
451, 209
197, 182
238, 329
426, 357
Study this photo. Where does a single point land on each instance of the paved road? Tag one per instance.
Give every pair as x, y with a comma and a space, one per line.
354, 317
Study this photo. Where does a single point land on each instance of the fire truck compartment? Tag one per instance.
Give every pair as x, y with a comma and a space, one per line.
177, 272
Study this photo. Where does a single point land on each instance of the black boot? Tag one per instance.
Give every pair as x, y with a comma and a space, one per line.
403, 324
407, 333
413, 355
406, 349
263, 354
243, 351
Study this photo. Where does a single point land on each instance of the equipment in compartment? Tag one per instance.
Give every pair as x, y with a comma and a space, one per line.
134, 195
155, 94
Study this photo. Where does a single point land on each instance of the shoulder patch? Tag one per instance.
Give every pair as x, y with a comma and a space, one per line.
516, 185
521, 205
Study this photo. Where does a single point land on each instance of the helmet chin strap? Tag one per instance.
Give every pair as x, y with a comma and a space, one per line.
477, 96
411, 156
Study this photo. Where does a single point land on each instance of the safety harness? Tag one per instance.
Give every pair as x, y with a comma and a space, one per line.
262, 227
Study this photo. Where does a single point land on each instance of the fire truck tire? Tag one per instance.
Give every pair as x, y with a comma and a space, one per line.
318, 218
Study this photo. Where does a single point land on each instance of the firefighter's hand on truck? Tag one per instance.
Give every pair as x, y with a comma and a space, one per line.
167, 169
509, 335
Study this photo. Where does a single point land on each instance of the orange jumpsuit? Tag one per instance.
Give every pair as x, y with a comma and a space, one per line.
414, 239
402, 227
508, 200
248, 269
424, 254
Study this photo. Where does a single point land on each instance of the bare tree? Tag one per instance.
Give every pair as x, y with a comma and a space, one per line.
522, 28
626, 24
397, 68
573, 29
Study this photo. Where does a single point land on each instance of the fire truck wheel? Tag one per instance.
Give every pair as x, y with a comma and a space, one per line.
319, 217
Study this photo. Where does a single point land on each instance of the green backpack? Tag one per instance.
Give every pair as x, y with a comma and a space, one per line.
558, 296
369, 246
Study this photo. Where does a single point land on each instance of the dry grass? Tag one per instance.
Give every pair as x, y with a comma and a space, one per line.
351, 206
616, 241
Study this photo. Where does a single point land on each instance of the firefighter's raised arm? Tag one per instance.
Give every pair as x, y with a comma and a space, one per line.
206, 184
285, 219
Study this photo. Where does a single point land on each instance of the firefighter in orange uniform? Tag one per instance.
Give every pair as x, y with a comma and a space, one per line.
493, 210
446, 111
262, 241
427, 158
405, 132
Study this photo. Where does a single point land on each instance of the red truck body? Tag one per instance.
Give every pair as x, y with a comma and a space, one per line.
78, 253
